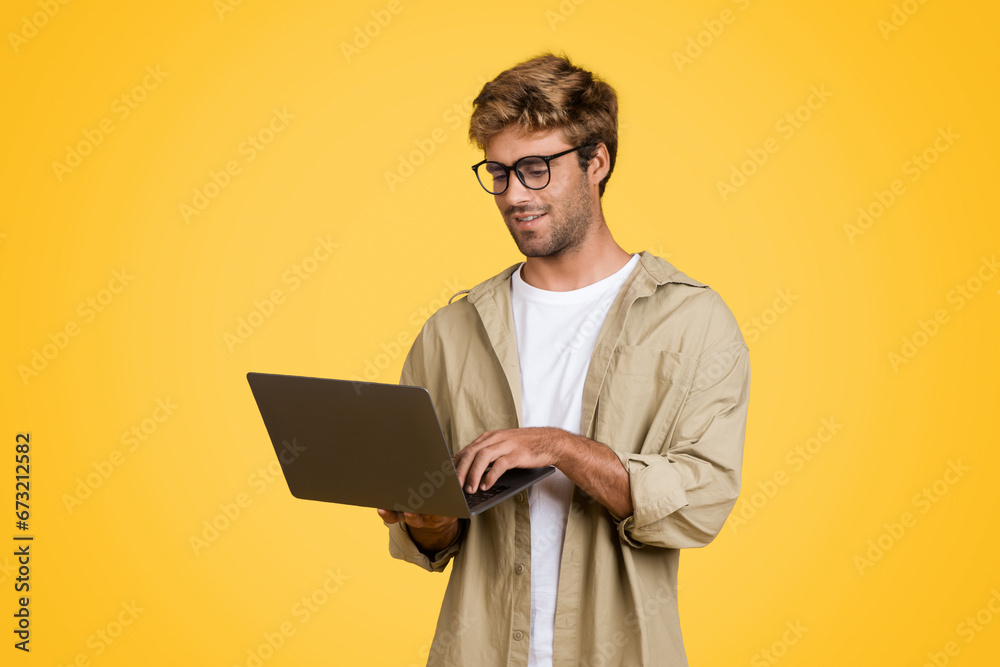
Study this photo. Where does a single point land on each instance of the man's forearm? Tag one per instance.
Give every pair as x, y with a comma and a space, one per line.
597, 470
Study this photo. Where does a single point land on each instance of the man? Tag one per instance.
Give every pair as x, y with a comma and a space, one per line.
627, 375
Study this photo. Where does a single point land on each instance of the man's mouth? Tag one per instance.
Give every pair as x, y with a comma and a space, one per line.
529, 220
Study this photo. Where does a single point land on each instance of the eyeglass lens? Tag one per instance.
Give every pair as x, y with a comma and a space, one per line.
533, 171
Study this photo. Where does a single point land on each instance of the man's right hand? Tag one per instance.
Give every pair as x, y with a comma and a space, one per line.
431, 532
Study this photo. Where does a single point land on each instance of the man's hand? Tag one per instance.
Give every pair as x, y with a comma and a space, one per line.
590, 464
430, 532
532, 447
415, 520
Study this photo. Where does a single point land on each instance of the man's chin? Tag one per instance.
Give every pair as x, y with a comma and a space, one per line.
528, 242
539, 250
532, 246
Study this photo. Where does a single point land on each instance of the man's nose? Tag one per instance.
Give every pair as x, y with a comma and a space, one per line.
516, 193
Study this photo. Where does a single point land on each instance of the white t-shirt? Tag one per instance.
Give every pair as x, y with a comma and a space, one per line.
556, 333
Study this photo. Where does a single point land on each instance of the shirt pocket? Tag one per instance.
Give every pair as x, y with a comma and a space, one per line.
640, 398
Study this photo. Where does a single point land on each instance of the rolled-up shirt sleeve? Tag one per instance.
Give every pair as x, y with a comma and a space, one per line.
682, 496
402, 546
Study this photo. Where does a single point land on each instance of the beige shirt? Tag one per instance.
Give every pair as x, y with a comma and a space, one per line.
667, 390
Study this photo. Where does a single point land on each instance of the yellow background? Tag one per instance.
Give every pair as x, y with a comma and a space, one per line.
353, 116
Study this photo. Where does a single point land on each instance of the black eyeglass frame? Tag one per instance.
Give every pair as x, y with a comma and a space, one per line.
520, 177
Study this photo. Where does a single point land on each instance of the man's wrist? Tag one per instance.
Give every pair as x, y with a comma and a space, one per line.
598, 470
566, 446
431, 541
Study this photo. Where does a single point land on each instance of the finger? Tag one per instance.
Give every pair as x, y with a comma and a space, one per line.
472, 448
415, 519
461, 464
418, 520
388, 516
484, 458
436, 520
473, 476
500, 466
463, 460
482, 436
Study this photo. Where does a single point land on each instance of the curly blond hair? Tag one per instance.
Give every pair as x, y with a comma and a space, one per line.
546, 93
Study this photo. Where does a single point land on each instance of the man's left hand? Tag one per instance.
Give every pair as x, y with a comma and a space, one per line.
531, 447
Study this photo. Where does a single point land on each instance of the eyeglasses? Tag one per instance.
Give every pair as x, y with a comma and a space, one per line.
532, 170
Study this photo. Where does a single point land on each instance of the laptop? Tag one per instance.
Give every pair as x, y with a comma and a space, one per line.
370, 444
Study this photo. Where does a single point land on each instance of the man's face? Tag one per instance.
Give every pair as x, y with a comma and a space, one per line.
566, 206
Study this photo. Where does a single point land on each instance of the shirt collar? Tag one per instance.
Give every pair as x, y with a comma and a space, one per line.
651, 270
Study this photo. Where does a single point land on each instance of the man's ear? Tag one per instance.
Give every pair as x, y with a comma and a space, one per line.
599, 165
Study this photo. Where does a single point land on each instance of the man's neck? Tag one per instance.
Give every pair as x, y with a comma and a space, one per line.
596, 259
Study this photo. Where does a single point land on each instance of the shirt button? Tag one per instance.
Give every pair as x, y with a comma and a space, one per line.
519, 569
518, 635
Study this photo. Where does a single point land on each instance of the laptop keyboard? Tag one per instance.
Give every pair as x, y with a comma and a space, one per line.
482, 496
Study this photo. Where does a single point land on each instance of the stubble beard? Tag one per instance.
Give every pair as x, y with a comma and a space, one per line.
564, 235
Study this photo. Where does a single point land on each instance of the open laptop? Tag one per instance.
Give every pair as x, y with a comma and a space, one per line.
370, 444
